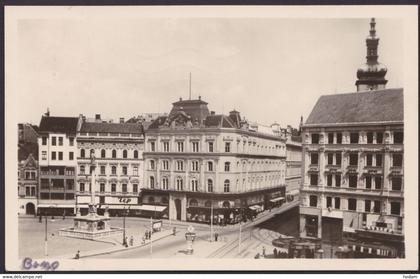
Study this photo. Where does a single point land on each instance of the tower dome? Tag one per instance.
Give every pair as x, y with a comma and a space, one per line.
371, 75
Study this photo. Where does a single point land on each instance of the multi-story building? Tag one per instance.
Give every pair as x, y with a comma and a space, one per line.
118, 149
57, 164
197, 162
353, 163
293, 165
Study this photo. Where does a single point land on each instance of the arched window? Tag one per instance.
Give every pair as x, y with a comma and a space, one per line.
227, 166
209, 185
226, 188
136, 154
194, 185
114, 170
124, 153
207, 204
179, 183
193, 202
226, 204
210, 166
82, 153
114, 153
103, 153
151, 200
165, 183
152, 182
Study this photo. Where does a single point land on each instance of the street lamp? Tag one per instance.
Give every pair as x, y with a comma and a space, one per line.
125, 211
190, 237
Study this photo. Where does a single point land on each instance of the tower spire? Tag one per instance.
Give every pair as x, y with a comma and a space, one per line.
371, 75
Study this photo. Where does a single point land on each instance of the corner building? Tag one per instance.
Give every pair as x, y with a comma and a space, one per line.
197, 161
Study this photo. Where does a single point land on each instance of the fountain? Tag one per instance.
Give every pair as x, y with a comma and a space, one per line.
91, 226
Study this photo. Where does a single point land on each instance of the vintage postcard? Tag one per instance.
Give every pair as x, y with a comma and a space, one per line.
211, 138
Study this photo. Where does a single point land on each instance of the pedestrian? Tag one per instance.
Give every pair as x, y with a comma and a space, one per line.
40, 218
77, 255
216, 236
263, 251
150, 235
174, 230
131, 241
126, 242
146, 234
275, 252
64, 215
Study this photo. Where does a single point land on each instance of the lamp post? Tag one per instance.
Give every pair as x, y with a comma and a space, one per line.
190, 237
124, 237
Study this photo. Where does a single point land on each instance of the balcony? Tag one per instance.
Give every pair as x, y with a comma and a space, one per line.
372, 170
107, 193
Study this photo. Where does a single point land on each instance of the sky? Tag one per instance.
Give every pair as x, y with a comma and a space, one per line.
269, 69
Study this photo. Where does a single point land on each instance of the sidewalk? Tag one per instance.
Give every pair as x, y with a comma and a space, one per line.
202, 248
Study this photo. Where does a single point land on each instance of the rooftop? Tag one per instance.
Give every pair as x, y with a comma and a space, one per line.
56, 124
104, 127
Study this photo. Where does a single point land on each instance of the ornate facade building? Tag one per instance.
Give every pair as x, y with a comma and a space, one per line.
118, 149
197, 162
353, 165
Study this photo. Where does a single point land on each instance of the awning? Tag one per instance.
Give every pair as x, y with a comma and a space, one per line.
277, 199
293, 192
255, 207
148, 207
56, 206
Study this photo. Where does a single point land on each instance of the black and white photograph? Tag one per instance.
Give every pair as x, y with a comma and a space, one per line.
224, 138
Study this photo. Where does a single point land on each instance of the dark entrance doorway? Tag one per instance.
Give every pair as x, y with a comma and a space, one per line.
311, 225
332, 229
178, 209
30, 208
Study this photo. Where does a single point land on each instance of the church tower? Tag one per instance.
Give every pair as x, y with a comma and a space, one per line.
371, 75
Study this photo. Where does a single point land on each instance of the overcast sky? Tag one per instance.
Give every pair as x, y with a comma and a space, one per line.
268, 69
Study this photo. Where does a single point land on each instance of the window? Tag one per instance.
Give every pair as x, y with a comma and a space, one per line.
194, 165
379, 138
71, 156
114, 170
180, 165
398, 137
210, 146
209, 185
135, 171
354, 137
210, 166
396, 183
180, 146
113, 187
82, 169
378, 182
369, 136
314, 138
60, 141
179, 184
330, 157
395, 208
353, 159
337, 203
124, 170
338, 159
329, 202
165, 164
367, 205
376, 206
339, 138
379, 160
351, 204
368, 182
314, 179
53, 155
165, 183
124, 188
313, 201
227, 166
226, 186
82, 153
114, 153
152, 182
44, 155
102, 187
103, 153
136, 154
44, 140
82, 187
353, 181
227, 146
152, 146
166, 146
337, 180
102, 170
314, 158
194, 185
195, 146
60, 156
397, 160
368, 159
152, 164
71, 141
124, 153
193, 203
54, 141
331, 138
329, 180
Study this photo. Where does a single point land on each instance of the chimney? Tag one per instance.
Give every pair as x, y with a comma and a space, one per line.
199, 97
97, 117
180, 98
212, 112
121, 119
